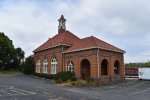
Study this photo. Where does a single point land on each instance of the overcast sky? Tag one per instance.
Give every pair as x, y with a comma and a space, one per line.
123, 23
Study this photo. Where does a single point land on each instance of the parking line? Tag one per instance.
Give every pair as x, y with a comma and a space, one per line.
6, 92
123, 84
135, 85
6, 86
49, 94
139, 92
26, 91
18, 92
60, 98
129, 82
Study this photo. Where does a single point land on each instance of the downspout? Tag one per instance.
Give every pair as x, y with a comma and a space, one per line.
123, 70
98, 62
62, 49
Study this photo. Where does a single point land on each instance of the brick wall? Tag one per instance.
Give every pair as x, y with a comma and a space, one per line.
48, 54
77, 57
111, 58
91, 55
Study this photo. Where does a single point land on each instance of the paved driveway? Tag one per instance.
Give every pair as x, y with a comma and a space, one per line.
23, 87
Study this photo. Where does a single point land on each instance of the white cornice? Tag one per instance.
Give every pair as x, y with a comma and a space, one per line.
93, 48
81, 49
52, 47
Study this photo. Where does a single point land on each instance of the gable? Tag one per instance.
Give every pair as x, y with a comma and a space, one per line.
66, 38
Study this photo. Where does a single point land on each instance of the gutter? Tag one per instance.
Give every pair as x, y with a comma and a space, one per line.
93, 48
98, 63
51, 47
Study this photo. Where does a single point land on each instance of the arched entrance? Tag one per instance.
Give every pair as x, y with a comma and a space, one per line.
104, 67
116, 67
85, 69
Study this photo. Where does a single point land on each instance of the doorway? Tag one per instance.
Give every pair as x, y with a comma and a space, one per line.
85, 69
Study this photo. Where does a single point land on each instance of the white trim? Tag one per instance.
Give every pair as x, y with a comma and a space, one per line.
45, 65
116, 68
38, 65
98, 63
53, 65
93, 48
52, 47
70, 66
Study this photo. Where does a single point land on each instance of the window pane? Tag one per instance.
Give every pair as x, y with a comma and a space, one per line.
53, 65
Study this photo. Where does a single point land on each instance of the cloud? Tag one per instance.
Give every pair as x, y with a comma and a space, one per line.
123, 23
24, 23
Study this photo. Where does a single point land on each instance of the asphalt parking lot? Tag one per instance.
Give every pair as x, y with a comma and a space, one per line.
23, 87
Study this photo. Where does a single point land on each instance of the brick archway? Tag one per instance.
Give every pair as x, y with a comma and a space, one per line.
104, 67
116, 67
85, 69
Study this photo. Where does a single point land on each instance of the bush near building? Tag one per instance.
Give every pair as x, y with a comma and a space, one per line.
47, 76
28, 66
67, 77
59, 77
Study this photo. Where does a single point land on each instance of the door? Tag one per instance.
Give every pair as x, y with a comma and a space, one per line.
85, 69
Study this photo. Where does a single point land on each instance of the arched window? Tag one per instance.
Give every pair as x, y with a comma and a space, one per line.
45, 65
104, 67
53, 65
116, 67
38, 64
70, 66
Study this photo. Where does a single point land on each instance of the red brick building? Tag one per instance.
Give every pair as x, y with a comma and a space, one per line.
86, 57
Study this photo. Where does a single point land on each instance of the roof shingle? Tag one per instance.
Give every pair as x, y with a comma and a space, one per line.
76, 44
65, 38
92, 42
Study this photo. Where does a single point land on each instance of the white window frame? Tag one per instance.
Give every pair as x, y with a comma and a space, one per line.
45, 65
38, 64
70, 66
53, 65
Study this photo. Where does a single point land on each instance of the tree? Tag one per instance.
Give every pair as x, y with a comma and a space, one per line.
10, 58
28, 65
7, 51
18, 59
138, 64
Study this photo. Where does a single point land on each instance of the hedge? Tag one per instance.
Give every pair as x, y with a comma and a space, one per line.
60, 76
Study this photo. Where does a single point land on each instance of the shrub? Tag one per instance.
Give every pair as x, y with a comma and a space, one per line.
64, 76
81, 83
70, 83
58, 81
90, 79
59, 77
47, 76
28, 66
90, 82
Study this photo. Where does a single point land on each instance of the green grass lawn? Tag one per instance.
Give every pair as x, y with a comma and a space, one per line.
9, 72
